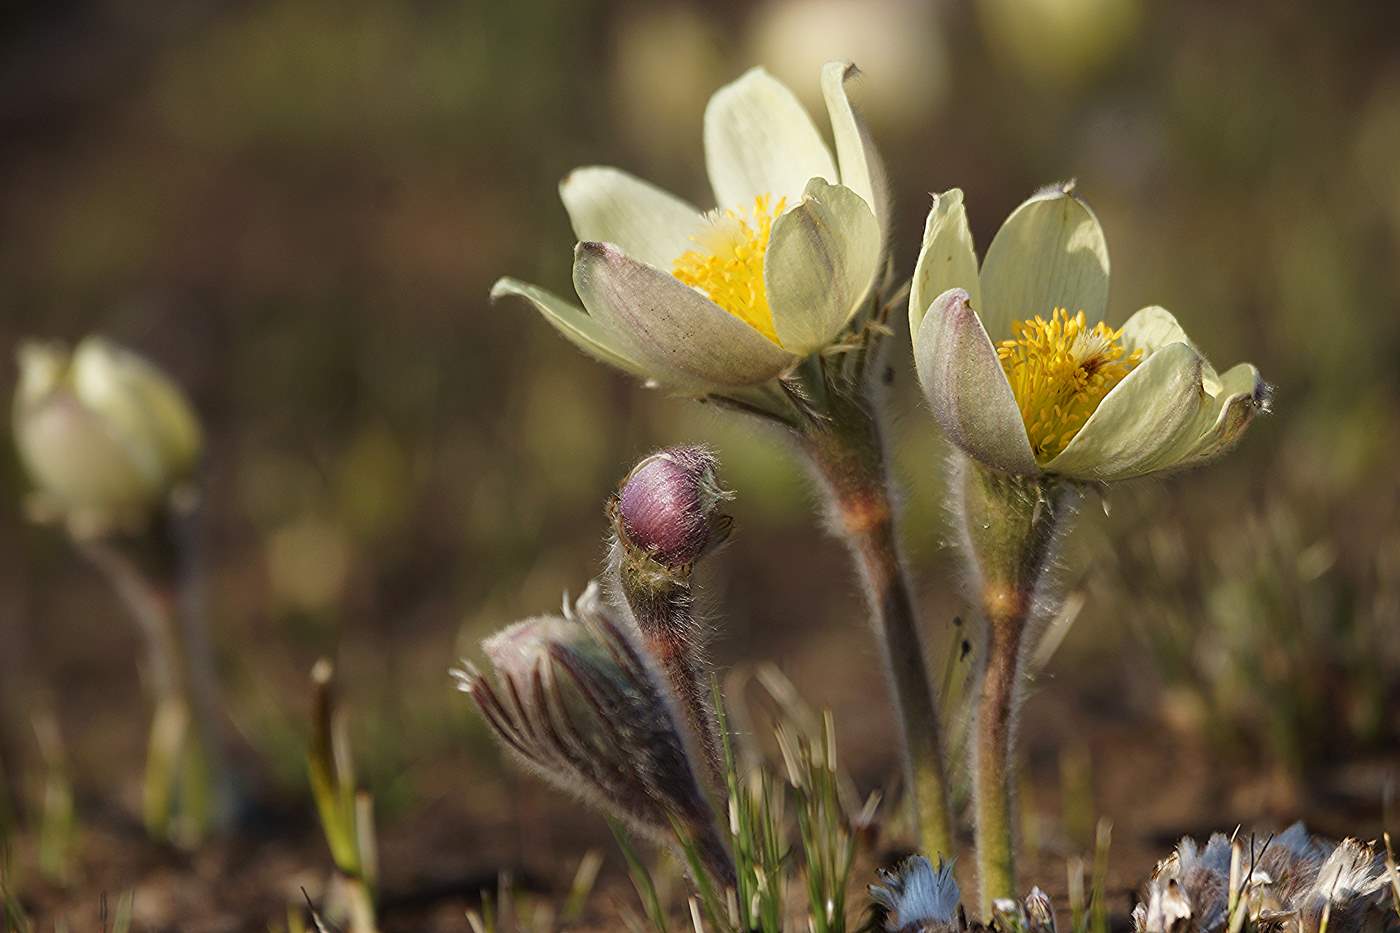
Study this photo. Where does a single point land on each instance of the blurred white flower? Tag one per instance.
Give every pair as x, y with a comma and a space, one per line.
1023, 374
1061, 41
308, 563
904, 37
708, 303
103, 434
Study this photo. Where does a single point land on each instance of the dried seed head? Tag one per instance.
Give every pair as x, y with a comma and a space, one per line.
667, 507
1289, 880
918, 897
1352, 890
576, 700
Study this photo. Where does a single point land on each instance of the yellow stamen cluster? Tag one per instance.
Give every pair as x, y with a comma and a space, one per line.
728, 266
1060, 370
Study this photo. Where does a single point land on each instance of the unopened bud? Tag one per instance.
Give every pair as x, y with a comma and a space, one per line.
668, 506
577, 700
103, 434
919, 898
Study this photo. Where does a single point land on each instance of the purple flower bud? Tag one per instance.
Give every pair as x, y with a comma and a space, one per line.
667, 506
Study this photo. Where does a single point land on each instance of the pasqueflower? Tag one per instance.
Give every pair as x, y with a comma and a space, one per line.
1024, 375
712, 302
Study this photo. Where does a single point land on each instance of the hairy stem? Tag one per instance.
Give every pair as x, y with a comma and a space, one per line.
1011, 525
995, 761
848, 452
664, 608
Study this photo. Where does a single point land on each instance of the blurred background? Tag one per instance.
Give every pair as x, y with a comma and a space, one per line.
298, 210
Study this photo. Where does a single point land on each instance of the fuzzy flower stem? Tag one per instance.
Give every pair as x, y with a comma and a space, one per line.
847, 449
664, 609
1012, 524
664, 617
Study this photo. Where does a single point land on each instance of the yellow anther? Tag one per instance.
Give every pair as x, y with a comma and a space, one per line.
728, 266
1060, 370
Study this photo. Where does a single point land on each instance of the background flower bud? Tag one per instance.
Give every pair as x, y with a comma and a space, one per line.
667, 506
103, 434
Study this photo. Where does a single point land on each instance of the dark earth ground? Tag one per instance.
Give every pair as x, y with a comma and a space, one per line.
436, 859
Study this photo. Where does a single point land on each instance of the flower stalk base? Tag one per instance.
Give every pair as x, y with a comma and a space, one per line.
846, 448
187, 790
1012, 525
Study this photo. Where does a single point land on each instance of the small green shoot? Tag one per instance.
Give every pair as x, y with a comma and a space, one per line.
58, 820
641, 878
1103, 838
347, 815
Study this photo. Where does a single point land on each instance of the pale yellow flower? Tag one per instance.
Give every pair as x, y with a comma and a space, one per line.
719, 301
1024, 375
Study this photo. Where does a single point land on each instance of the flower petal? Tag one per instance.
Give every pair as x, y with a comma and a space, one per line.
946, 259
821, 261
679, 335
1151, 412
1241, 394
609, 205
1152, 328
760, 140
861, 168
1228, 404
967, 388
589, 335
1049, 254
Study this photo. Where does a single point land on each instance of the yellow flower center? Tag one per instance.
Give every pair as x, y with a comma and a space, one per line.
728, 266
1060, 370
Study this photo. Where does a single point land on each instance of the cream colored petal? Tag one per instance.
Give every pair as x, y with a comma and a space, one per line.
861, 168
759, 140
967, 388
822, 259
590, 336
946, 259
1151, 328
682, 338
1241, 395
611, 206
1050, 253
1229, 402
1152, 411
